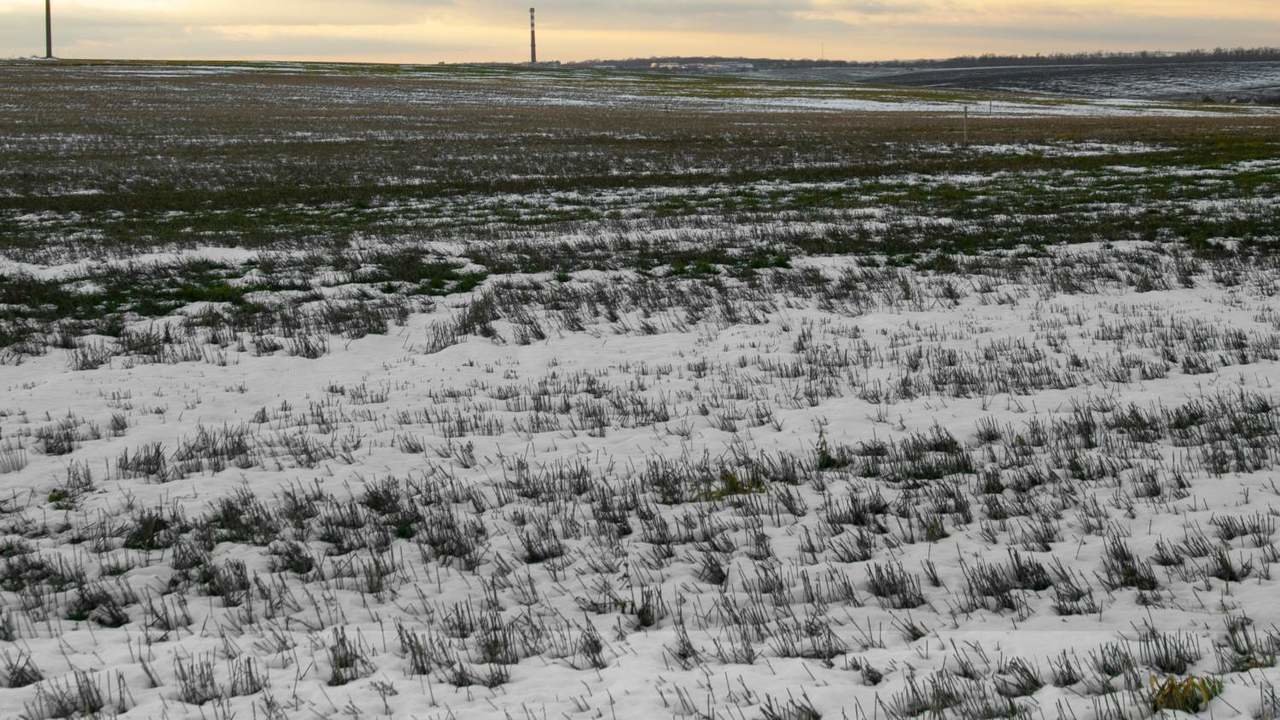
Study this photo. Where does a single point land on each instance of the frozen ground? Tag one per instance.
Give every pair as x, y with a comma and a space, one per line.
1005, 91
670, 412
1217, 81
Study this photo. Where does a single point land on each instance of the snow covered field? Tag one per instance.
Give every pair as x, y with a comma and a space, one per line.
335, 404
1219, 81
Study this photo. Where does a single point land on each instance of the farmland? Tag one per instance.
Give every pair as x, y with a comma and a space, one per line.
1215, 81
447, 392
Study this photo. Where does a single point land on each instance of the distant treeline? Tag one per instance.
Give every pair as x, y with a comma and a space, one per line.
1104, 58
1082, 58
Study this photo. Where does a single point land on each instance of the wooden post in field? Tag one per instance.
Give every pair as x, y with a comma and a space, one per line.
966, 126
48, 29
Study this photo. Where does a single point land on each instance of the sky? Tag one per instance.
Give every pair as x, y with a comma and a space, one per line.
429, 31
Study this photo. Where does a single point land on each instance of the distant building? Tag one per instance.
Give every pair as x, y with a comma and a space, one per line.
716, 67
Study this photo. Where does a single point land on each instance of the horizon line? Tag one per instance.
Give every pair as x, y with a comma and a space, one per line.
1114, 54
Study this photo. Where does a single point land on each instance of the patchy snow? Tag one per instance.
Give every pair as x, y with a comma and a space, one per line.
1031, 107
369, 395
1024, 482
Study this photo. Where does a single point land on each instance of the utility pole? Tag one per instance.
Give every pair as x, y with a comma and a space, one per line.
533, 38
48, 29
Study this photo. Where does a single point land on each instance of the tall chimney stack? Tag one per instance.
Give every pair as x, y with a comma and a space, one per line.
533, 38
48, 29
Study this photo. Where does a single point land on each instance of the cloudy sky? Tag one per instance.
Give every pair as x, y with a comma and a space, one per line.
476, 30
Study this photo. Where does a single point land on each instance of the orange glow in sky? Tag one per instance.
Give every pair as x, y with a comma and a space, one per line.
494, 30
